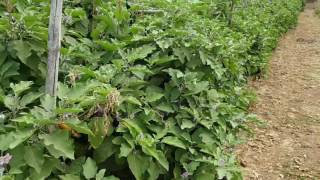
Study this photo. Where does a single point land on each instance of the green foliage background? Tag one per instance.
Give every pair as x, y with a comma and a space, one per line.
148, 89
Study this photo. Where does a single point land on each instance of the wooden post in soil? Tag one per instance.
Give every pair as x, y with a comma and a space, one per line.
230, 18
54, 44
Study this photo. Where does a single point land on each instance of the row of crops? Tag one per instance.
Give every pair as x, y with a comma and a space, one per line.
148, 89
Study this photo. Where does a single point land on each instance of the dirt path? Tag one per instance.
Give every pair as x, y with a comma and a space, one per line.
288, 147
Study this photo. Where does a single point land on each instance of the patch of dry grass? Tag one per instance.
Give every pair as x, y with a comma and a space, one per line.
318, 11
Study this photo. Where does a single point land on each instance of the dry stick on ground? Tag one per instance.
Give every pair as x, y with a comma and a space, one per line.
54, 44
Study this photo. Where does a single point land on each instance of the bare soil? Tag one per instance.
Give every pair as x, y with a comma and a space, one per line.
288, 146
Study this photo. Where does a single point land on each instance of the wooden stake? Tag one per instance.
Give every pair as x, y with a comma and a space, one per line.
54, 45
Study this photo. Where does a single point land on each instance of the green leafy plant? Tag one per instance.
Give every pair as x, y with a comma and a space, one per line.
23, 36
19, 100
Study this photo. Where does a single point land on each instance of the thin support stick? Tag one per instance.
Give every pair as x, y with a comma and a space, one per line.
54, 45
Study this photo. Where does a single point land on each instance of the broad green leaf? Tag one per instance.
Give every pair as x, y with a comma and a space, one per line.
42, 114
29, 98
119, 63
174, 141
76, 13
23, 50
28, 119
81, 90
68, 110
62, 91
187, 124
140, 71
165, 107
121, 15
165, 43
191, 167
60, 141
161, 60
138, 164
206, 123
8, 70
88, 71
20, 87
90, 168
50, 164
18, 160
158, 155
6, 178
20, 136
69, 177
132, 100
99, 128
197, 87
76, 166
80, 127
100, 174
125, 149
133, 126
104, 151
174, 73
54, 152
107, 45
110, 178
88, 102
222, 123
11, 103
153, 93
183, 54
140, 52
154, 170
33, 156
48, 102
222, 173
205, 176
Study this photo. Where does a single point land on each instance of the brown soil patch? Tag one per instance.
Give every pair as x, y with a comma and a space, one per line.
288, 147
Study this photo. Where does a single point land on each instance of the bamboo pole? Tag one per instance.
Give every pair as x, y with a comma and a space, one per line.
54, 44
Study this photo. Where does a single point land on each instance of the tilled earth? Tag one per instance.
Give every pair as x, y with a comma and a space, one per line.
288, 146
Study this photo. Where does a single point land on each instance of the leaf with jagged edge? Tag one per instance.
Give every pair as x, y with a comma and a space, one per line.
140, 52
60, 142
138, 164
33, 156
21, 87
90, 168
